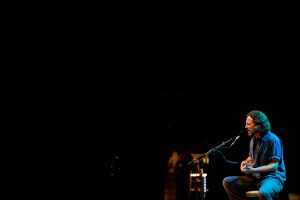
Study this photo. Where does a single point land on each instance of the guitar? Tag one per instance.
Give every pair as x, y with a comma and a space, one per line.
251, 164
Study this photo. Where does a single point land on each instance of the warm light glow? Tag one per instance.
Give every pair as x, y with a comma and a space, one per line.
195, 174
205, 159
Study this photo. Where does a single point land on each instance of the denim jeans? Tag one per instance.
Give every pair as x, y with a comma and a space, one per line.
236, 187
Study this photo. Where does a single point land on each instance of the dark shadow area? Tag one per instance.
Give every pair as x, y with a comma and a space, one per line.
110, 131
118, 144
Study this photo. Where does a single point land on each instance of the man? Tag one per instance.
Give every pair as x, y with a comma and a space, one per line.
264, 168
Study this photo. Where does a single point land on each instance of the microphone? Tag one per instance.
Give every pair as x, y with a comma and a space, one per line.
236, 138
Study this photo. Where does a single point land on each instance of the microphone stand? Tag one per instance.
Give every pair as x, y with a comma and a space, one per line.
202, 174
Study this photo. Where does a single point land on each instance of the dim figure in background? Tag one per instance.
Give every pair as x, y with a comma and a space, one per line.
172, 161
178, 176
264, 168
182, 173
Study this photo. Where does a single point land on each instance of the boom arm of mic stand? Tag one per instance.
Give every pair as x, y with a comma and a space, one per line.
210, 151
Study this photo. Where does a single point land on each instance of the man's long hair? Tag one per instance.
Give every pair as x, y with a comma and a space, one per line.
260, 119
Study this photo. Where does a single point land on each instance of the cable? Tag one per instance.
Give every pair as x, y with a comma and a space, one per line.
228, 161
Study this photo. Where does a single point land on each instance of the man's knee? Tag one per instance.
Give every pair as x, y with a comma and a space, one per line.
226, 181
263, 194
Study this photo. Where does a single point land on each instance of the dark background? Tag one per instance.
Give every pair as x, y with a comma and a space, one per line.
141, 124
135, 85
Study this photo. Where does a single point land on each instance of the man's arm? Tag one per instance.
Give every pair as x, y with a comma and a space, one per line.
271, 167
245, 163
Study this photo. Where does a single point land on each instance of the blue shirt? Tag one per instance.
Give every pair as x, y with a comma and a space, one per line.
270, 147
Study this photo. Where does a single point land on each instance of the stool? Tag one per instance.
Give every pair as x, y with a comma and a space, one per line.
253, 194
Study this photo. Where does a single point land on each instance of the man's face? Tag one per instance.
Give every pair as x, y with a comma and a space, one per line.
250, 126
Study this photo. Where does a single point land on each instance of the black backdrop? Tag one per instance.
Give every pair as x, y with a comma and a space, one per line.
119, 145
149, 83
